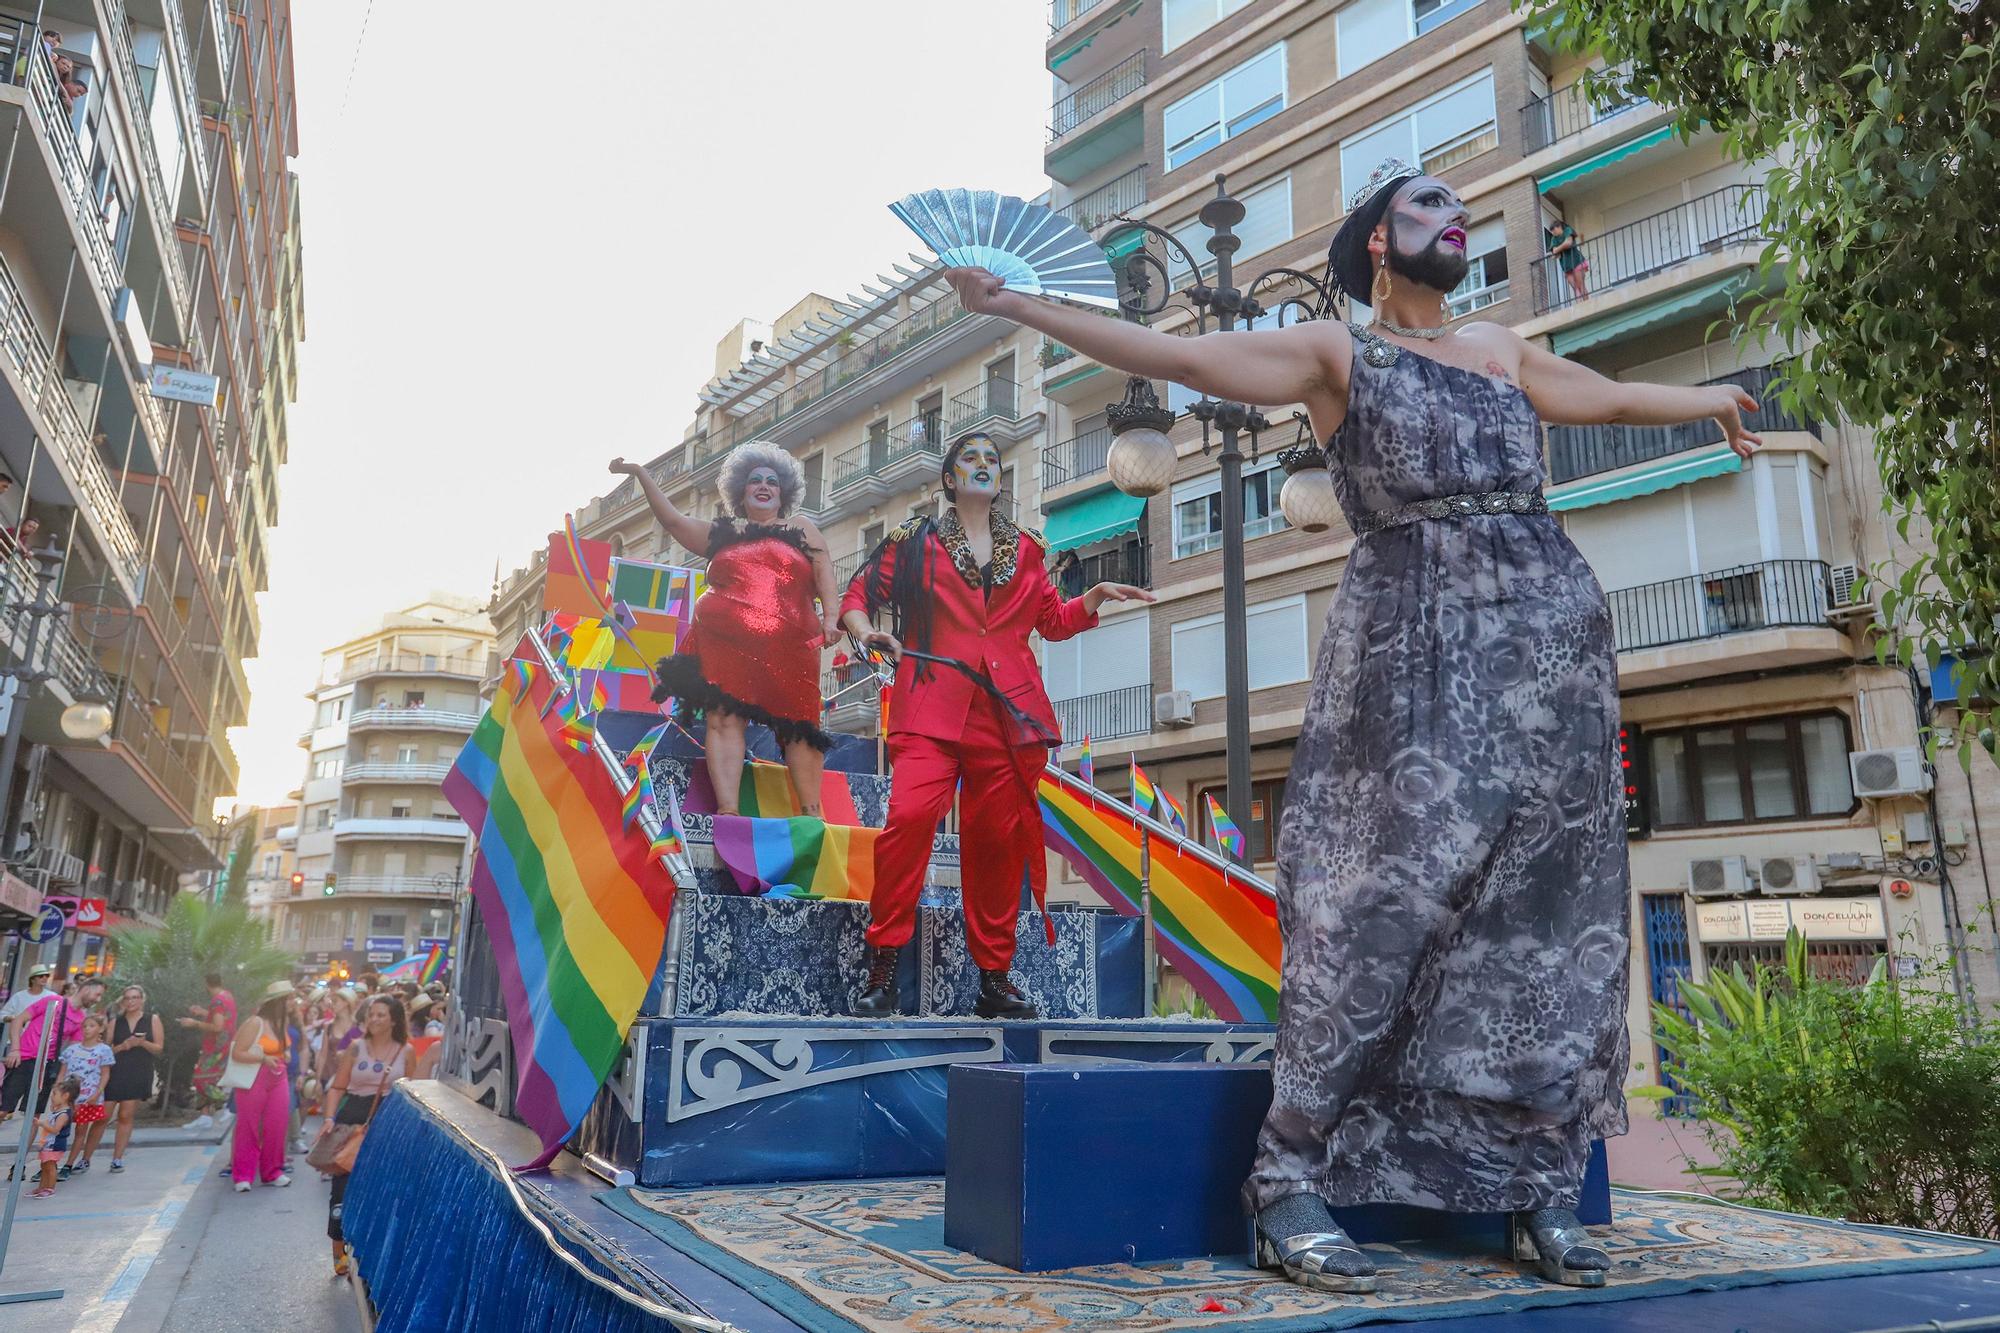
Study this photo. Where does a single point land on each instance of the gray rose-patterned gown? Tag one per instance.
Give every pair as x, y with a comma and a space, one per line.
1452, 873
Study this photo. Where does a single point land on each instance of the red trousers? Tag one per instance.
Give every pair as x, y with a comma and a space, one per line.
999, 831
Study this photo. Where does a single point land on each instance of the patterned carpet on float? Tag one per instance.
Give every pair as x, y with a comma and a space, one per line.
845, 1255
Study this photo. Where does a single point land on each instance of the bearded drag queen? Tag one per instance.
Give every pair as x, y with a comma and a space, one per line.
1452, 876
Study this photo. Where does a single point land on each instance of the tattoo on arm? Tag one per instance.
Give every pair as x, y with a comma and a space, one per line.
1499, 372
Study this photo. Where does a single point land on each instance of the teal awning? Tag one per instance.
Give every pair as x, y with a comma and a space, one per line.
1624, 150
1658, 475
1714, 294
1073, 377
1124, 244
1097, 517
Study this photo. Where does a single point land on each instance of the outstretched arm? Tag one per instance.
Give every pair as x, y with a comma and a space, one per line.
688, 531
1268, 367
1568, 394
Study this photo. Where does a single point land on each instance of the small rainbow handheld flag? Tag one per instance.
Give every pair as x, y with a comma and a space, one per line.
1145, 797
1085, 767
432, 965
671, 840
1176, 813
1226, 832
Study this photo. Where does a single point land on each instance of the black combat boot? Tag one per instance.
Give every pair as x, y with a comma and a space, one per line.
998, 997
879, 997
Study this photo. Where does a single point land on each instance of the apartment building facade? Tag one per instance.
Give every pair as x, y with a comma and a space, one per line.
380, 851
1745, 657
269, 857
151, 288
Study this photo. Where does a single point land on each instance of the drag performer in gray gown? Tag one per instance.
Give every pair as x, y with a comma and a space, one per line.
1453, 888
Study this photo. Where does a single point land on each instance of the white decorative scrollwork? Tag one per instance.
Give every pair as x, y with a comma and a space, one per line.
484, 1062
628, 1077
1072, 1046
714, 1068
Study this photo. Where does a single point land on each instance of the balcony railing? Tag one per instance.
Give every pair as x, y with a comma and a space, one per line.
1768, 595
1062, 13
1733, 215
411, 886
1091, 211
414, 664
17, 36
995, 399
420, 774
1123, 79
34, 360
61, 651
1128, 562
1567, 111
849, 362
426, 719
1075, 458
1113, 713
164, 205
190, 99
1583, 451
919, 437
134, 727
846, 567
397, 826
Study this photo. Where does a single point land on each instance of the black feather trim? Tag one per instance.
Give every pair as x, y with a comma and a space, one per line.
681, 679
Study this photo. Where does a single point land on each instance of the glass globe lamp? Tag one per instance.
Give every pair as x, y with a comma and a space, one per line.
1142, 459
1308, 499
86, 720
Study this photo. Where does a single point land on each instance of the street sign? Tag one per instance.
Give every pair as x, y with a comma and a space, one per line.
389, 942
183, 386
48, 924
381, 955
90, 914
65, 903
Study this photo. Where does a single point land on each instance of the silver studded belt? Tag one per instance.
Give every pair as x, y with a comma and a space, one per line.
1453, 506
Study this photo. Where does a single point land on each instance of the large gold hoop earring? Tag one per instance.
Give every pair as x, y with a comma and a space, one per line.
1378, 291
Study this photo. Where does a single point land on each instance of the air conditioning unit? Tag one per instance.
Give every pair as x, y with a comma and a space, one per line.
1173, 708
1719, 876
1898, 771
1788, 874
1844, 582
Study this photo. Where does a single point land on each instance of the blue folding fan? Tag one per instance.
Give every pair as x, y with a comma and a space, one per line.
1035, 250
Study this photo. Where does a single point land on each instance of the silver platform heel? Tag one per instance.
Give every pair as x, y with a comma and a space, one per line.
1321, 1260
1557, 1245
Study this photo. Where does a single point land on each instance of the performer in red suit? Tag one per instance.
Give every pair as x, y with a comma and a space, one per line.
969, 586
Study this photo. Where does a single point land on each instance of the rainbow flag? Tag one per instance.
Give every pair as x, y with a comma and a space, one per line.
1226, 833
433, 965
578, 569
766, 792
570, 899
1145, 798
671, 840
1218, 933
1176, 814
1086, 768
802, 857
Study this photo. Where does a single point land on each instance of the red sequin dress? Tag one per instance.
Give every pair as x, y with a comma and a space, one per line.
754, 647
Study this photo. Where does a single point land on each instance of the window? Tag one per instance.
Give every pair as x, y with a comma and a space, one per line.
1751, 771
1453, 127
323, 817
1182, 19
271, 860
1370, 29
1114, 656
339, 709
406, 754
399, 809
1486, 277
1276, 629
327, 766
387, 923
1246, 96
1267, 222
1198, 508
1260, 830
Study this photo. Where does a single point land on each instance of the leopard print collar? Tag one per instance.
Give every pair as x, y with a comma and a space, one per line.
1006, 547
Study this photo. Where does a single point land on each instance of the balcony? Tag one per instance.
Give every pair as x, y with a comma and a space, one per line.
994, 406
1583, 451
189, 102
428, 775
1711, 224
857, 706
412, 719
1105, 716
415, 664
164, 207
404, 828
1128, 562
848, 361
878, 467
1567, 112
37, 77
50, 411
1771, 595
1102, 93
1112, 199
288, 835
384, 886
1062, 13
1074, 459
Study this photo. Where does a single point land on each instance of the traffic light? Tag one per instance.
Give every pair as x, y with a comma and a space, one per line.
298, 882
331, 880
1631, 770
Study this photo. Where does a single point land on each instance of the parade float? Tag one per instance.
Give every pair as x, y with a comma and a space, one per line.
655, 1112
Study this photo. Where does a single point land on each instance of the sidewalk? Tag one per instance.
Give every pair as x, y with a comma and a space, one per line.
1657, 1152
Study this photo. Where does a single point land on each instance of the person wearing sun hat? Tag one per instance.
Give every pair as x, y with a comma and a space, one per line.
264, 1109
1452, 872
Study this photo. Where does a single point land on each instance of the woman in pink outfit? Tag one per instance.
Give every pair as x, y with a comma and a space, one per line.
264, 1110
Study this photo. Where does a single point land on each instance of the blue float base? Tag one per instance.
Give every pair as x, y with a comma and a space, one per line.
743, 1099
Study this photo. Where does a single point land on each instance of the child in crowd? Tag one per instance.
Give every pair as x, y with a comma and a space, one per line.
85, 1061
52, 1134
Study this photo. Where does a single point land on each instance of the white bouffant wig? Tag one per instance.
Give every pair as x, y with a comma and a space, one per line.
735, 476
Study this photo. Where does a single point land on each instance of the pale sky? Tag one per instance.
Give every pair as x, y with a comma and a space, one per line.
522, 243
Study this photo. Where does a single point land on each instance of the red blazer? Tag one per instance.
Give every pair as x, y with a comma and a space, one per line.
990, 634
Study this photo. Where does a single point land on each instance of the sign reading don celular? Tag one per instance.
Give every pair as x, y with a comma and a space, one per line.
183, 385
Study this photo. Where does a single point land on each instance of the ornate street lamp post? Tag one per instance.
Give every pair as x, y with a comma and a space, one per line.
1142, 459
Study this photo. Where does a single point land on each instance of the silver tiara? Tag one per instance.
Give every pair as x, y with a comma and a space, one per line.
1392, 169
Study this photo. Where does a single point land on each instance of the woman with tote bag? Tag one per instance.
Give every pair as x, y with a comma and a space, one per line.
367, 1069
257, 1071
